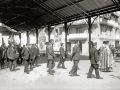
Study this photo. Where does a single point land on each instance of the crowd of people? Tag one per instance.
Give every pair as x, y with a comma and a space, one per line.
14, 55
28, 55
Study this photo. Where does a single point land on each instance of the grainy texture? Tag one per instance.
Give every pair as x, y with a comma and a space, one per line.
39, 79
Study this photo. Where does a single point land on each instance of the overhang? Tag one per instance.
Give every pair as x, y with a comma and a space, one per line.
30, 14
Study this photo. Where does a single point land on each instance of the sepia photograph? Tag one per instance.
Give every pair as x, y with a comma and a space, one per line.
59, 44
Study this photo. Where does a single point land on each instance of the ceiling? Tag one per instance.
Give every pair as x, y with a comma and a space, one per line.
29, 14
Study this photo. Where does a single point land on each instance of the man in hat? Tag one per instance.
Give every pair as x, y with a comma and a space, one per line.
76, 58
47, 46
25, 55
51, 57
94, 62
62, 56
110, 58
37, 54
32, 57
103, 56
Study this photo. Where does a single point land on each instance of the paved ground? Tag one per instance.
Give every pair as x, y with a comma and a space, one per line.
39, 78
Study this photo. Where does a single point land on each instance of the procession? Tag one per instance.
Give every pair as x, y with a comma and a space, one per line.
29, 55
60, 44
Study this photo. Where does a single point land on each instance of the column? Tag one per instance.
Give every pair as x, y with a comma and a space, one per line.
89, 31
20, 38
49, 32
27, 37
66, 32
36, 36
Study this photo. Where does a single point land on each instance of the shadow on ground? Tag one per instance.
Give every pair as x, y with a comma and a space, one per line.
92, 76
113, 76
43, 59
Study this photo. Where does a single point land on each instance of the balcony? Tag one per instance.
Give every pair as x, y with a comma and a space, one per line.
80, 36
117, 37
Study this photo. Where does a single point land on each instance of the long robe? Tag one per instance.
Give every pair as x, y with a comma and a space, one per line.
103, 57
106, 58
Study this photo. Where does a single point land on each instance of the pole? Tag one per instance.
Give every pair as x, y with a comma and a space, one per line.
36, 36
89, 31
49, 31
27, 37
66, 32
20, 38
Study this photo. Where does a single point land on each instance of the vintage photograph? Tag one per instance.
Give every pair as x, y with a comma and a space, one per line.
59, 44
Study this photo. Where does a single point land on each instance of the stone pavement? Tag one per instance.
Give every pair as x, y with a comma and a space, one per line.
40, 79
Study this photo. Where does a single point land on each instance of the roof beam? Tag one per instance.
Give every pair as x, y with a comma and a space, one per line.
114, 2
47, 10
103, 9
79, 7
17, 15
23, 12
10, 20
52, 11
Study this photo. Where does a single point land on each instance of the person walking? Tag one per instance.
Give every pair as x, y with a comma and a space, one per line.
62, 57
94, 62
76, 58
25, 55
51, 57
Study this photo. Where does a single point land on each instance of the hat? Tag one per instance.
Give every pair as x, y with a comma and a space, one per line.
107, 42
62, 43
47, 43
104, 42
95, 44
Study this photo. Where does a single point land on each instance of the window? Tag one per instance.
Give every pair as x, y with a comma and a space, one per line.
110, 30
79, 30
105, 19
106, 29
56, 31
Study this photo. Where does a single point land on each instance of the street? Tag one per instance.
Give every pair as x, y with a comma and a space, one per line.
40, 79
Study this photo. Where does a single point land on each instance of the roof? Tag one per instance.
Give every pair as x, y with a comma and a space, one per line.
6, 31
30, 14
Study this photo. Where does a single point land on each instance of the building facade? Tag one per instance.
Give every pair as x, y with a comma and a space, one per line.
104, 27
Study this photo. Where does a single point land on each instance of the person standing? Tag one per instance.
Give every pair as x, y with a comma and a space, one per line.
32, 57
25, 55
62, 57
2, 55
51, 57
47, 45
76, 58
19, 60
37, 55
94, 62
113, 50
11, 53
110, 59
103, 56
